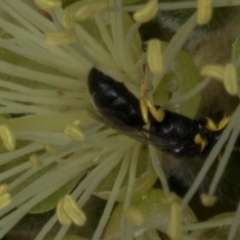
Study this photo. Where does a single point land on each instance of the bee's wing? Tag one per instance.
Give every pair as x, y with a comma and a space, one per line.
139, 134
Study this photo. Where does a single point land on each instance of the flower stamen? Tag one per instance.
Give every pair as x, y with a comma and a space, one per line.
5, 197
74, 133
59, 38
154, 56
204, 12
35, 161
48, 5
146, 13
90, 9
69, 211
8, 138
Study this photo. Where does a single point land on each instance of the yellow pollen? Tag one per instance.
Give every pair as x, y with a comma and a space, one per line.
134, 216
48, 5
204, 12
199, 140
5, 197
90, 9
35, 161
147, 12
158, 114
8, 138
59, 38
52, 150
230, 79
215, 71
74, 133
208, 200
154, 56
175, 226
68, 210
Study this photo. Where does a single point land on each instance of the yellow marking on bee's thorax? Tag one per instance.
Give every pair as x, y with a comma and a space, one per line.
199, 140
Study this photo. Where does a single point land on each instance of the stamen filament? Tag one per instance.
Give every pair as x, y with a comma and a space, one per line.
118, 182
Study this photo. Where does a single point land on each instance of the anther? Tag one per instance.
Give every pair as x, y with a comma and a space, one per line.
68, 20
5, 197
63, 217
52, 150
208, 200
90, 9
147, 12
35, 161
204, 12
230, 79
8, 138
154, 56
69, 211
59, 38
134, 216
143, 99
214, 71
175, 226
74, 133
48, 5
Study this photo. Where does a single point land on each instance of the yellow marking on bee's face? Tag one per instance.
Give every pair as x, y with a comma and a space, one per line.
211, 125
199, 140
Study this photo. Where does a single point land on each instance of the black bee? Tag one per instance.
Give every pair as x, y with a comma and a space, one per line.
185, 142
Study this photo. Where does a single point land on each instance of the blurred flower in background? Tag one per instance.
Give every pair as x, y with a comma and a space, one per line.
59, 166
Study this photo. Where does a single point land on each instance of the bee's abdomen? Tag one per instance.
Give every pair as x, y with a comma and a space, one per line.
114, 99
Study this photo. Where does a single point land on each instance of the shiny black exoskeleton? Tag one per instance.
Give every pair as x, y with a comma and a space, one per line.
114, 99
175, 135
